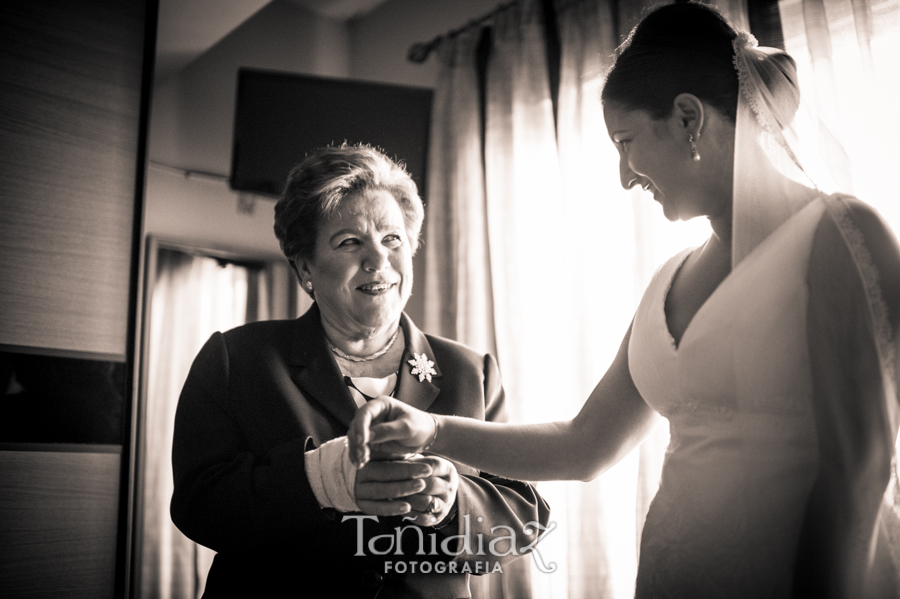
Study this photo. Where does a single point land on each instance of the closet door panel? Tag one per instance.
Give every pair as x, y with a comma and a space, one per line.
70, 92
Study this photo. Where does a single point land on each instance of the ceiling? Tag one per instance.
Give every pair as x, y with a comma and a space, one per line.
188, 28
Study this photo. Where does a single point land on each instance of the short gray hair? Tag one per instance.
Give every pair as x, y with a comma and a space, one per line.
316, 187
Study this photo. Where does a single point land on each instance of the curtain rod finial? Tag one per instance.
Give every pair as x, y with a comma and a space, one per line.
419, 52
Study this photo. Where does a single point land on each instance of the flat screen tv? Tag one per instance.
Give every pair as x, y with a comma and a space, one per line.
280, 117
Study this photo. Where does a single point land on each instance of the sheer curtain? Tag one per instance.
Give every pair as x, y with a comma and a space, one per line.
456, 218
522, 181
536, 252
191, 297
602, 278
848, 54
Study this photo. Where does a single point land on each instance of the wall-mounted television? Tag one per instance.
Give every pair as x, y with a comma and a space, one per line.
280, 117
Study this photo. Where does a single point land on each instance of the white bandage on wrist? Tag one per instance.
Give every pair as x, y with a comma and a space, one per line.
332, 475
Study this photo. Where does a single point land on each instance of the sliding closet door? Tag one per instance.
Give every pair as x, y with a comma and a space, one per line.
73, 89
70, 90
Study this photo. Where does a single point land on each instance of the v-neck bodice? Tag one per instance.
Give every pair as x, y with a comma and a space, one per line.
737, 391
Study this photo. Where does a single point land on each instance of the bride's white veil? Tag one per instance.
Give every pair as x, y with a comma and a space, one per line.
786, 157
777, 133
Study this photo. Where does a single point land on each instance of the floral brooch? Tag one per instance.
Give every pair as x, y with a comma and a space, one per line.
422, 366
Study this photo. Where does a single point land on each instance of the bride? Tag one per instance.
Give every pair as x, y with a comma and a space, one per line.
772, 348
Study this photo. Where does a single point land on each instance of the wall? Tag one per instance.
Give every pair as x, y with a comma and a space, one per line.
192, 118
192, 123
379, 41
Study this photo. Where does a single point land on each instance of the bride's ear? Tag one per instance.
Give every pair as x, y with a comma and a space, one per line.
688, 112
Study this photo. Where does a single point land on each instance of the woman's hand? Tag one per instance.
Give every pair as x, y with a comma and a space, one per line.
383, 488
435, 502
422, 487
385, 428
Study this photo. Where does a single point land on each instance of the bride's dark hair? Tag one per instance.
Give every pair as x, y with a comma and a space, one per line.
677, 48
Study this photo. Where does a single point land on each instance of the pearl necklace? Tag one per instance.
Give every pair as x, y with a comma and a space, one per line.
370, 357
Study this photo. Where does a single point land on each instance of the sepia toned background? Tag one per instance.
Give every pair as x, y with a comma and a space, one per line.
123, 244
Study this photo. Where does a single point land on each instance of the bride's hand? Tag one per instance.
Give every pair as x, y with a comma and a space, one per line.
385, 428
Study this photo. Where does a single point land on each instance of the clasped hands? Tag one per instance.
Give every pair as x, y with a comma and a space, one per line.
393, 478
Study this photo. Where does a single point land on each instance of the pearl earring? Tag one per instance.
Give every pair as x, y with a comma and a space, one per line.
308, 285
695, 155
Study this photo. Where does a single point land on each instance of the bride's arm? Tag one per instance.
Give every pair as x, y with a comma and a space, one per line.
611, 423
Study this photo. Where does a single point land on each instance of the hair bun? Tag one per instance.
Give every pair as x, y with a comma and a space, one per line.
779, 74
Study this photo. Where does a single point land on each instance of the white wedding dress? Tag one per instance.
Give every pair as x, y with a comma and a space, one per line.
743, 454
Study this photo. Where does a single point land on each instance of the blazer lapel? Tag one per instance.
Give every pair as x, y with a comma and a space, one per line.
317, 375
314, 370
410, 390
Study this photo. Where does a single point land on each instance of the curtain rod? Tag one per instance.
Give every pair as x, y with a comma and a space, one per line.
418, 52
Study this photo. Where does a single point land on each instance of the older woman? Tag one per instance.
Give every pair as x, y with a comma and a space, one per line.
772, 349
260, 464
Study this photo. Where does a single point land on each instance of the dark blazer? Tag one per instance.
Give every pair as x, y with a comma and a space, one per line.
259, 396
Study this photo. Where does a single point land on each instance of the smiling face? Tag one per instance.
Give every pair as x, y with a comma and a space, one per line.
653, 155
362, 270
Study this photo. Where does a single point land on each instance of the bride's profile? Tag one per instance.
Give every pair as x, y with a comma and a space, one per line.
772, 349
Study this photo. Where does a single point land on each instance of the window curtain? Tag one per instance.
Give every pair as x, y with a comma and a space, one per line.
191, 297
457, 246
848, 54
535, 252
